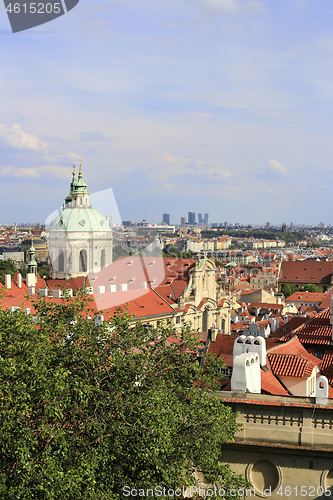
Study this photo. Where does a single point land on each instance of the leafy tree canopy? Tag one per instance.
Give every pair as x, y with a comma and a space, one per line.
310, 288
87, 409
6, 267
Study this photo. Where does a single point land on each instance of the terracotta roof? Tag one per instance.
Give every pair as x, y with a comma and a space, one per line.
271, 385
309, 271
265, 305
326, 366
293, 346
288, 327
73, 283
306, 297
327, 301
315, 331
290, 365
224, 345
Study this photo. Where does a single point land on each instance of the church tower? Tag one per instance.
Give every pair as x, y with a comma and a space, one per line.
80, 239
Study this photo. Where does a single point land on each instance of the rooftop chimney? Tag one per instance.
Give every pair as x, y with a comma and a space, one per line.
31, 279
246, 375
321, 390
57, 293
19, 280
8, 281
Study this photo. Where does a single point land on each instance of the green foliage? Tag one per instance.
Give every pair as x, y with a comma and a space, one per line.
172, 251
43, 270
288, 289
310, 288
6, 267
88, 409
23, 270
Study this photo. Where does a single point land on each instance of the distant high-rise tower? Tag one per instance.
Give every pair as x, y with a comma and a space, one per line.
284, 227
183, 221
206, 219
191, 218
166, 218
200, 219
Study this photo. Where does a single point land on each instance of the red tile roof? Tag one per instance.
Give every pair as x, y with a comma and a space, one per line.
317, 330
271, 385
290, 365
310, 271
306, 297
288, 327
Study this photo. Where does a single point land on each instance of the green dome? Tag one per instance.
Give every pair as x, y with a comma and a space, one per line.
80, 219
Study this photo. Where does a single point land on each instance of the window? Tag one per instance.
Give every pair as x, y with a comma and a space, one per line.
83, 261
102, 259
61, 262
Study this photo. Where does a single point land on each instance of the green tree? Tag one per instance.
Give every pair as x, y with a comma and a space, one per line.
87, 408
6, 267
310, 288
288, 289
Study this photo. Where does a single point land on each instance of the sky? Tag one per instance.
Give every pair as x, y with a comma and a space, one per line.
218, 106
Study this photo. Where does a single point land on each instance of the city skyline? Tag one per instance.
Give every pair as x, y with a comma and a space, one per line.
217, 105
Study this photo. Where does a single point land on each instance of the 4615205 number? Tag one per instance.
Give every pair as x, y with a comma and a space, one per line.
34, 8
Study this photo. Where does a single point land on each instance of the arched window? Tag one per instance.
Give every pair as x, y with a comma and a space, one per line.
102, 259
83, 261
61, 262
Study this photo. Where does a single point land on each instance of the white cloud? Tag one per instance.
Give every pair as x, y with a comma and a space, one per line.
218, 5
19, 172
273, 170
275, 166
35, 172
18, 139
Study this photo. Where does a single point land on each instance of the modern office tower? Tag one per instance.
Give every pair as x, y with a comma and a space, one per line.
166, 218
200, 219
205, 220
191, 218
284, 227
268, 225
182, 221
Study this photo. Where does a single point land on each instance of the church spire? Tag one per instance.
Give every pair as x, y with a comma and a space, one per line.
32, 264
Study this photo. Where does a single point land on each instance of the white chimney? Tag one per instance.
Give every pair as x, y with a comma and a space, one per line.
31, 290
112, 288
321, 390
101, 289
144, 284
19, 280
8, 281
31, 279
246, 375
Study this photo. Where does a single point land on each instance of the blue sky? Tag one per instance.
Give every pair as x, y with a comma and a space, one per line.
219, 106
